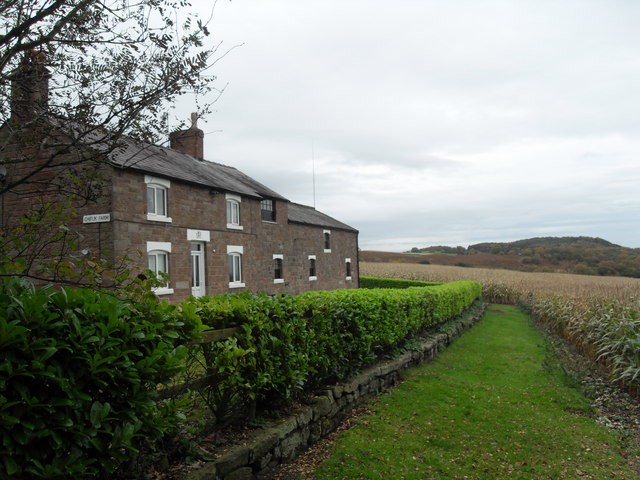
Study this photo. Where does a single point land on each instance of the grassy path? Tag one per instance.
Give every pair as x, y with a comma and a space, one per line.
492, 406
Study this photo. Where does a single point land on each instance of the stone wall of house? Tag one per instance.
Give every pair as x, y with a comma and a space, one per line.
264, 449
80, 178
195, 208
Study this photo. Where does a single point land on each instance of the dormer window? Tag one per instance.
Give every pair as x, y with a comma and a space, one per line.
233, 211
157, 198
267, 210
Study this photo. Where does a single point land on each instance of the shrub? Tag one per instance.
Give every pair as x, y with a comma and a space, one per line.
293, 343
78, 376
464, 264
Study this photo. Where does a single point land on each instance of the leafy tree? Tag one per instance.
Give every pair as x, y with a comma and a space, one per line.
96, 71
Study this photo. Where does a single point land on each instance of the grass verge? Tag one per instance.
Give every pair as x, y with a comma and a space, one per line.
494, 405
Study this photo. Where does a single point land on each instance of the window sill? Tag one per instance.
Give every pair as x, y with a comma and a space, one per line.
327, 250
312, 279
272, 222
348, 279
163, 291
278, 280
236, 284
158, 218
234, 227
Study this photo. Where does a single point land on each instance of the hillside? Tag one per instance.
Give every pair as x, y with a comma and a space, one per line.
582, 255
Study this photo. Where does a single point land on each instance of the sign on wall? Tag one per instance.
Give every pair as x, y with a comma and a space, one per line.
198, 235
97, 218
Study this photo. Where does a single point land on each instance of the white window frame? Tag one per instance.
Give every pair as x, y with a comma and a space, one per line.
348, 261
154, 248
278, 256
157, 183
324, 234
236, 201
236, 251
314, 277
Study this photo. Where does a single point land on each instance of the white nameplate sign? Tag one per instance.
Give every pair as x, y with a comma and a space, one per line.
98, 218
198, 235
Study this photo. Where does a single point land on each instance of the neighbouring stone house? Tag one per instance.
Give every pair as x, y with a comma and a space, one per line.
210, 227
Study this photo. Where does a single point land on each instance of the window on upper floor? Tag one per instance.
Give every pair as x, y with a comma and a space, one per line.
158, 263
312, 268
278, 273
327, 241
157, 198
233, 211
268, 210
234, 262
347, 265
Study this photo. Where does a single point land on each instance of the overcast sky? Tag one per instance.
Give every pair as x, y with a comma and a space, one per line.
436, 122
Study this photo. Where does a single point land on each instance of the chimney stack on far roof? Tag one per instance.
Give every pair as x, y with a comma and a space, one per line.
189, 141
30, 87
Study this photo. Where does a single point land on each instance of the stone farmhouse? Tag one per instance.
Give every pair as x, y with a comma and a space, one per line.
209, 227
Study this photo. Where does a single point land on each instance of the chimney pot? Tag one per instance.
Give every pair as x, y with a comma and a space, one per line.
190, 141
30, 87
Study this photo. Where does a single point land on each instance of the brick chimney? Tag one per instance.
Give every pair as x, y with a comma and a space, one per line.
189, 141
30, 87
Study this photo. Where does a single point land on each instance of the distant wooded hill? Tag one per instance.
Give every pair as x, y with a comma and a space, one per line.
582, 255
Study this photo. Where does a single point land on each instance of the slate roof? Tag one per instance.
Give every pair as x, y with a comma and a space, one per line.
305, 215
173, 164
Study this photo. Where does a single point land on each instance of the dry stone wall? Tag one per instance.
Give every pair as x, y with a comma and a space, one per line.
256, 457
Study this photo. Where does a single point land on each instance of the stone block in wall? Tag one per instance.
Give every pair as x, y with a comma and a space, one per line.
304, 417
404, 360
293, 444
286, 427
263, 462
244, 473
232, 460
207, 472
263, 444
387, 368
315, 432
351, 386
365, 378
322, 407
338, 390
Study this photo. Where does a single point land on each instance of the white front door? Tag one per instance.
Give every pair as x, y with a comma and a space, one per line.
197, 269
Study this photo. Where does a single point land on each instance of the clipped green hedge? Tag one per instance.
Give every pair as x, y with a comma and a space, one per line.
378, 282
293, 343
78, 377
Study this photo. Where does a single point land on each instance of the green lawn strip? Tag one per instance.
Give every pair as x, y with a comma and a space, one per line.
493, 405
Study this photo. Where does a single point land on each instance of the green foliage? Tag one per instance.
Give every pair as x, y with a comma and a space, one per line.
378, 282
291, 344
464, 264
580, 255
491, 407
608, 331
441, 249
78, 377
